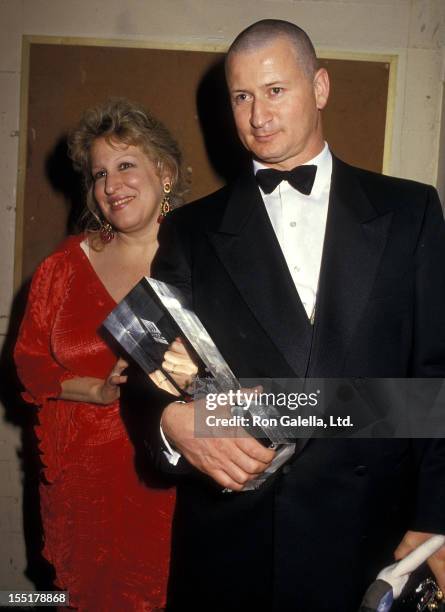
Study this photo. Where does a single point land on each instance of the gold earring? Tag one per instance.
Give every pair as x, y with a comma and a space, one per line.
106, 232
165, 204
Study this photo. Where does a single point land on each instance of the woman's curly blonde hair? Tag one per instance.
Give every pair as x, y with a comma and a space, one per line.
128, 122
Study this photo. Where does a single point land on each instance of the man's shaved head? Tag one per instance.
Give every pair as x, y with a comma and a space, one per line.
265, 31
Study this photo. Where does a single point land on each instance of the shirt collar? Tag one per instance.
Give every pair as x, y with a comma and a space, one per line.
323, 161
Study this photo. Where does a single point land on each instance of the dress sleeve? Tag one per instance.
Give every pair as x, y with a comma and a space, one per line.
38, 369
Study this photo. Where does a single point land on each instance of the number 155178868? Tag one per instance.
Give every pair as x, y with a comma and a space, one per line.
35, 598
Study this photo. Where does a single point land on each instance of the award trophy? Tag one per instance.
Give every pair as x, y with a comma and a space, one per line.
145, 323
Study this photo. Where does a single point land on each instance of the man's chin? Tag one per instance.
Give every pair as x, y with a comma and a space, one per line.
268, 158
265, 151
268, 152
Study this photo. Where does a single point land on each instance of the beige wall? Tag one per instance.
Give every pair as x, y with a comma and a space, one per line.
413, 30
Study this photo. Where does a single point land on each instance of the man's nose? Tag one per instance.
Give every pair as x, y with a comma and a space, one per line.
260, 114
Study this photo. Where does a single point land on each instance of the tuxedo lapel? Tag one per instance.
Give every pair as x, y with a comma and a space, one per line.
249, 250
354, 241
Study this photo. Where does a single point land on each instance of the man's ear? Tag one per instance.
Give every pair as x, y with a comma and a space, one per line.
321, 88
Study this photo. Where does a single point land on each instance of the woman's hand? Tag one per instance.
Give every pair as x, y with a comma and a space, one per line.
180, 366
108, 391
95, 390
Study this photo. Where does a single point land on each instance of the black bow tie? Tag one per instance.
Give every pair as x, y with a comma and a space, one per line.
301, 178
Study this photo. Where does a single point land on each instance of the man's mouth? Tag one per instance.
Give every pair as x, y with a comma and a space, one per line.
264, 137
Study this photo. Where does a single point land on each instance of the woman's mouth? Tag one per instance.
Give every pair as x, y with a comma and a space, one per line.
118, 203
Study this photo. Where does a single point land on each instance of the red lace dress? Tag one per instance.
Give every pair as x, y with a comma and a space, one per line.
106, 534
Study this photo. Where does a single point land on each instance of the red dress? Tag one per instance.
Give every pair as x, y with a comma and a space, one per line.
106, 534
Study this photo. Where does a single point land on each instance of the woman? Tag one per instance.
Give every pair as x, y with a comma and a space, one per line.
106, 534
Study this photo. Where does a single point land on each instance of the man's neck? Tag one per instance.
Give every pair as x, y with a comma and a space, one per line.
258, 164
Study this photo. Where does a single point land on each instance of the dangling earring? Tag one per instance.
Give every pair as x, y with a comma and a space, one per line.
106, 232
165, 204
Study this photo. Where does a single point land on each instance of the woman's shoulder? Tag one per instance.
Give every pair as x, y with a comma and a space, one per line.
70, 244
65, 256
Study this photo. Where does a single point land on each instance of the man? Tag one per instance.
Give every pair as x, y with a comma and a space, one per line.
344, 278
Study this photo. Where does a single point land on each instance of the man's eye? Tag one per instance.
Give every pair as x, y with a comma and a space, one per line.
276, 91
242, 97
99, 175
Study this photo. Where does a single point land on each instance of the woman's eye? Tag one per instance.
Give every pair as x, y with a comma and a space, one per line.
125, 165
276, 90
99, 175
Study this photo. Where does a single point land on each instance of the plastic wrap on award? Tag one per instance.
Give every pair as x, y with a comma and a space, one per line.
145, 323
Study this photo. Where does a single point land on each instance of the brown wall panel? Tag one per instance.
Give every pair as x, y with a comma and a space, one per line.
184, 89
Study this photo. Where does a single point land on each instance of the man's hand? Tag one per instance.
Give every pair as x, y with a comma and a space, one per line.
413, 539
230, 461
181, 367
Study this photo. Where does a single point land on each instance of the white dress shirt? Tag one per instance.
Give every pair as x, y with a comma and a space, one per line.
299, 222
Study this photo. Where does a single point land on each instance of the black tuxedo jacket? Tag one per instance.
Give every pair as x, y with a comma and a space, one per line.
314, 537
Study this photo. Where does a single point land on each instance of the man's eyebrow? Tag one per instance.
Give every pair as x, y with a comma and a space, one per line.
276, 83
271, 84
236, 92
